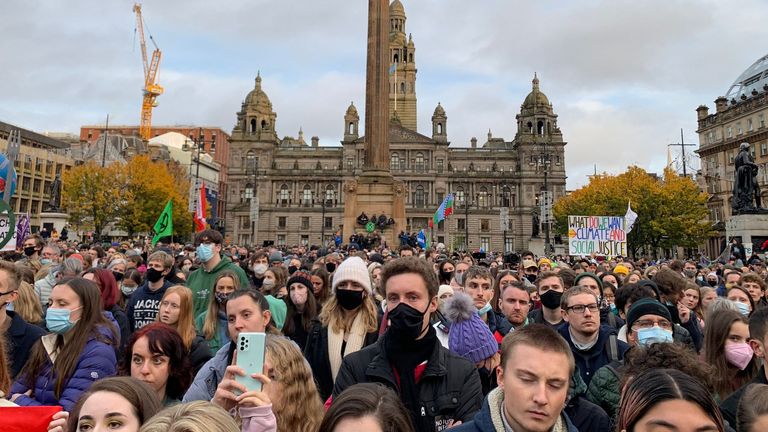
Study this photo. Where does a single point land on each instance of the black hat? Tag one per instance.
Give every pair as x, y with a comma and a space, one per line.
646, 306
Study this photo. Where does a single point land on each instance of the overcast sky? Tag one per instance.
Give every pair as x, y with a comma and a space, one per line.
623, 76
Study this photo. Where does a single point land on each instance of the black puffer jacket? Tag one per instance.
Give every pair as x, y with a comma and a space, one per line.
449, 388
316, 353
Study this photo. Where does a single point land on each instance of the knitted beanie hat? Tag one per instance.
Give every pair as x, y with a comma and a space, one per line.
469, 336
588, 275
301, 277
646, 306
621, 269
352, 269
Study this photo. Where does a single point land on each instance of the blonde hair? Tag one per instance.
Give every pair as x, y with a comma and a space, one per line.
299, 407
186, 323
196, 416
27, 305
332, 315
211, 321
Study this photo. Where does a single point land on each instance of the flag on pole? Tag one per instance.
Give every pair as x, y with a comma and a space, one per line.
445, 210
630, 217
393, 69
22, 230
423, 239
202, 207
164, 225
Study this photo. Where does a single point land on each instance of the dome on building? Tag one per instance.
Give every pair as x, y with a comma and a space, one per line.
257, 96
396, 9
536, 97
751, 81
439, 111
352, 110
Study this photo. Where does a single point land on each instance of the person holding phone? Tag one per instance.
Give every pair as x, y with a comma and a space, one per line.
285, 377
247, 311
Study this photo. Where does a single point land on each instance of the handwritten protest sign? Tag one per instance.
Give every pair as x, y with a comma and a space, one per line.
602, 235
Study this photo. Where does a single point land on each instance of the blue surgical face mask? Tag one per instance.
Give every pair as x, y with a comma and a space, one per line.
743, 308
655, 334
9, 307
205, 252
484, 310
57, 320
45, 261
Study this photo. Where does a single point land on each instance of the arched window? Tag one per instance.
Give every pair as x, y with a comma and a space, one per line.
284, 196
530, 127
482, 197
419, 197
506, 197
351, 129
306, 196
247, 193
439, 128
250, 162
394, 161
419, 161
263, 124
460, 197
396, 58
402, 87
330, 196
253, 125
410, 58
540, 127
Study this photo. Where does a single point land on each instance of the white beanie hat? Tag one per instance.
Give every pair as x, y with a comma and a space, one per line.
352, 269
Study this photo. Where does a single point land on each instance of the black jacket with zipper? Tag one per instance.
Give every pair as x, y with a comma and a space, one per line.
449, 388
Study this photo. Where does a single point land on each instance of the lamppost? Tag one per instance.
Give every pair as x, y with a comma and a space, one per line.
544, 160
198, 144
323, 203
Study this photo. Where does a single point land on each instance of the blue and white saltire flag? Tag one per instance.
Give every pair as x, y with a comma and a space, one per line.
630, 217
421, 239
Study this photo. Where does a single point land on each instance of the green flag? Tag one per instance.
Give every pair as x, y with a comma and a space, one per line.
164, 225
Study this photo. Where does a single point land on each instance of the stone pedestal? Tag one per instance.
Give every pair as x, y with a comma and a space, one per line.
536, 245
58, 220
750, 228
375, 195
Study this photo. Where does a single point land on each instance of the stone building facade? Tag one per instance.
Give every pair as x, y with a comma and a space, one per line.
288, 191
740, 116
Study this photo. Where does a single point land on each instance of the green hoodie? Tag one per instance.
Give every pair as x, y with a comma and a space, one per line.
202, 282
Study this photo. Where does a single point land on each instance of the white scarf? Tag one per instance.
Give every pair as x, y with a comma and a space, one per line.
355, 340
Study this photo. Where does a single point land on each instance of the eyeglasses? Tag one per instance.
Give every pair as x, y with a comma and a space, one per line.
580, 309
646, 324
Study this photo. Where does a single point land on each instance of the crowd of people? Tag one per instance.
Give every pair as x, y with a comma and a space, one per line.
124, 336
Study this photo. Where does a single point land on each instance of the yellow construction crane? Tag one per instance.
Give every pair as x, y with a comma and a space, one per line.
151, 69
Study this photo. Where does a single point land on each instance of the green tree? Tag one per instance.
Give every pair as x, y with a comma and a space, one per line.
671, 210
94, 195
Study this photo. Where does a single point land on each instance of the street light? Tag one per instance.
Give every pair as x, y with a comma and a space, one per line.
544, 160
198, 144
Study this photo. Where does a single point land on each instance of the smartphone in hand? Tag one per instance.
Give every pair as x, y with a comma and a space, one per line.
250, 358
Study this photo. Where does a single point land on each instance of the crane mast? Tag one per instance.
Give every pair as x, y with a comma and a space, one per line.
151, 88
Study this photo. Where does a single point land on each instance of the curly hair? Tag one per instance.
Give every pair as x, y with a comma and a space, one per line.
667, 356
299, 407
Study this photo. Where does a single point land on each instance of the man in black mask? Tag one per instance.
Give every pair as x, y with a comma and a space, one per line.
144, 304
550, 287
438, 388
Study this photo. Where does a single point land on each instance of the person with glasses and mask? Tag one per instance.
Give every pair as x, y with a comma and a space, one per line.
593, 345
202, 280
438, 388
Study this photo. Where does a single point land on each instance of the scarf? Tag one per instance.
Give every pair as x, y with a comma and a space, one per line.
499, 419
355, 341
404, 357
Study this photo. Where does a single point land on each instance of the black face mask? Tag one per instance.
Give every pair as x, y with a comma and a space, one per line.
331, 267
712, 283
348, 299
154, 275
531, 278
405, 322
446, 275
292, 269
29, 251
118, 276
551, 299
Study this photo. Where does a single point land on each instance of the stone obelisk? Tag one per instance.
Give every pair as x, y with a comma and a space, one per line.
375, 192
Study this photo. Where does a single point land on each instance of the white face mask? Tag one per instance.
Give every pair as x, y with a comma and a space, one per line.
259, 269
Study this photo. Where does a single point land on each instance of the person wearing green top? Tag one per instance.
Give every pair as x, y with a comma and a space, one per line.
202, 280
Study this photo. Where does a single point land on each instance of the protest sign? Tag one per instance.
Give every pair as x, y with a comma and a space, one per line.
601, 235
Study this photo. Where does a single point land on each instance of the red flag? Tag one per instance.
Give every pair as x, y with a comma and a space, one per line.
26, 419
200, 210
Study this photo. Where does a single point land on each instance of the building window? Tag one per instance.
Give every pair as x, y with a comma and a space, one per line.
284, 197
761, 118
306, 197
305, 222
485, 225
351, 164
35, 207
506, 196
485, 243
508, 244
460, 197
730, 132
245, 222
439, 165
330, 196
36, 186
23, 205
739, 130
419, 197
247, 193
482, 197
460, 242
281, 240
749, 125
394, 161
250, 163
281, 222
764, 149
439, 197
461, 223
420, 162
441, 226
328, 222
304, 240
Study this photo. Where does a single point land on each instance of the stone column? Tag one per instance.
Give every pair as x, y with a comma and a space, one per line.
377, 90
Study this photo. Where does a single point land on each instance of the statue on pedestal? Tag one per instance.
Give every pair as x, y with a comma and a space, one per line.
54, 202
746, 191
